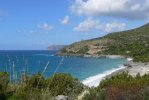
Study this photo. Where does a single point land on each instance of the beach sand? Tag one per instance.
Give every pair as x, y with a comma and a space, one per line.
133, 69
94, 81
141, 68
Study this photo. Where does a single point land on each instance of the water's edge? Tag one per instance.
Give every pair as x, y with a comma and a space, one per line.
94, 81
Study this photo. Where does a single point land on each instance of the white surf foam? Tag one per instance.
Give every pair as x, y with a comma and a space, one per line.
94, 81
43, 54
129, 59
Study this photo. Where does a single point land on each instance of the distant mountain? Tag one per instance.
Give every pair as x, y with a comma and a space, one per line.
134, 43
56, 47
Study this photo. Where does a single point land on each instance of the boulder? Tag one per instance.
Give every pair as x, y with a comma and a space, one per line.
127, 65
61, 97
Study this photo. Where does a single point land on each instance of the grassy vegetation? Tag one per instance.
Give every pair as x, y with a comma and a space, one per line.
121, 87
36, 87
83, 50
3, 85
136, 50
133, 43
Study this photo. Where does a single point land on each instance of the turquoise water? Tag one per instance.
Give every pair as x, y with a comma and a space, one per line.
35, 61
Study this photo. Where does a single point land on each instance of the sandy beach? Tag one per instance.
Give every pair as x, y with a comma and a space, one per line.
133, 69
104, 56
141, 68
94, 81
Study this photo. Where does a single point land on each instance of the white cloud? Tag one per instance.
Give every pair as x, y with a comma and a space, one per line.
41, 29
90, 24
114, 27
129, 9
45, 27
87, 25
65, 20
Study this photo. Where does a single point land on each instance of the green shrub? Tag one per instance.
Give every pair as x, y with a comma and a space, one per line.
83, 50
93, 95
36, 81
63, 50
122, 87
64, 84
4, 79
36, 87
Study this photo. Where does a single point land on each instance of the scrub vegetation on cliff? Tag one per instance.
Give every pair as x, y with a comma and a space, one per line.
133, 43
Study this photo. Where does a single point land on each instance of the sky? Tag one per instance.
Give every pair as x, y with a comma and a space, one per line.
36, 24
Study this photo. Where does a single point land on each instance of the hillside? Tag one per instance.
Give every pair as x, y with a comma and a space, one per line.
56, 47
133, 43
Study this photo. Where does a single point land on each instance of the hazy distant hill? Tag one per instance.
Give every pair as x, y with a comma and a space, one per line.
56, 47
134, 43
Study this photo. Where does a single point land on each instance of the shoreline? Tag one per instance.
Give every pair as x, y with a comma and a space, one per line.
94, 81
104, 56
133, 68
94, 56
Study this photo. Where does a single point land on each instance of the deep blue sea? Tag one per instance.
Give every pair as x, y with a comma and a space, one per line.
35, 61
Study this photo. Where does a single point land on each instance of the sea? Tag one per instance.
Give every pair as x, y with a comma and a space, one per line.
88, 70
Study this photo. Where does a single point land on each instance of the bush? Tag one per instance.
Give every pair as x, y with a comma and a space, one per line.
4, 79
26, 94
122, 87
83, 50
36, 81
63, 50
93, 95
64, 84
36, 87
